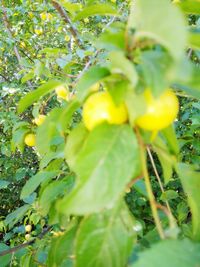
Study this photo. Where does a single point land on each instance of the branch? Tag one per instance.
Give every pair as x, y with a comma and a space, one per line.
14, 249
66, 18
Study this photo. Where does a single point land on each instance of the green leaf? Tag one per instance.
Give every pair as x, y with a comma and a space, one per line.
191, 184
4, 184
171, 253
97, 9
190, 6
154, 69
168, 195
194, 38
110, 235
15, 216
5, 259
92, 76
149, 18
32, 184
75, 140
61, 248
170, 136
121, 64
54, 127
111, 41
33, 96
49, 195
108, 160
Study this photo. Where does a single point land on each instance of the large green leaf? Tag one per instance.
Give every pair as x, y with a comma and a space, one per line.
97, 9
105, 239
54, 127
190, 6
15, 216
33, 96
173, 253
50, 193
32, 184
191, 185
107, 161
4, 259
75, 140
92, 76
121, 64
151, 19
61, 248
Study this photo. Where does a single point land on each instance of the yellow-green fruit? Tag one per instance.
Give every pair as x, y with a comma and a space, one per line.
160, 111
100, 107
28, 228
29, 139
39, 120
62, 92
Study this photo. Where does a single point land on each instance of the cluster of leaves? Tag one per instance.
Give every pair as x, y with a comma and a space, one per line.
78, 186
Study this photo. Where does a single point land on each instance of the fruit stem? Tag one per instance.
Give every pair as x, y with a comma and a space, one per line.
150, 193
170, 216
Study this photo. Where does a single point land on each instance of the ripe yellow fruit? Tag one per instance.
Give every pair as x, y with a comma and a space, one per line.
45, 16
160, 112
62, 92
67, 38
39, 31
39, 120
30, 139
100, 107
27, 236
28, 228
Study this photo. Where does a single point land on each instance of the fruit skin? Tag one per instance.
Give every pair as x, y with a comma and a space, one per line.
39, 120
27, 236
62, 92
99, 107
29, 139
28, 228
95, 87
160, 112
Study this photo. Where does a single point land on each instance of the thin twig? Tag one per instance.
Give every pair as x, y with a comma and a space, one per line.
14, 249
66, 18
171, 218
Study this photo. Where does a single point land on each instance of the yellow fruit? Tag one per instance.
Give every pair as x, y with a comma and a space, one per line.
86, 20
39, 31
22, 44
95, 87
62, 92
67, 38
27, 236
160, 112
29, 139
39, 120
28, 228
45, 16
100, 107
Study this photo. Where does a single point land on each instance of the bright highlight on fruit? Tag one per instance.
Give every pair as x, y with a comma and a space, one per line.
160, 112
100, 107
62, 92
30, 139
39, 120
38, 31
28, 228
